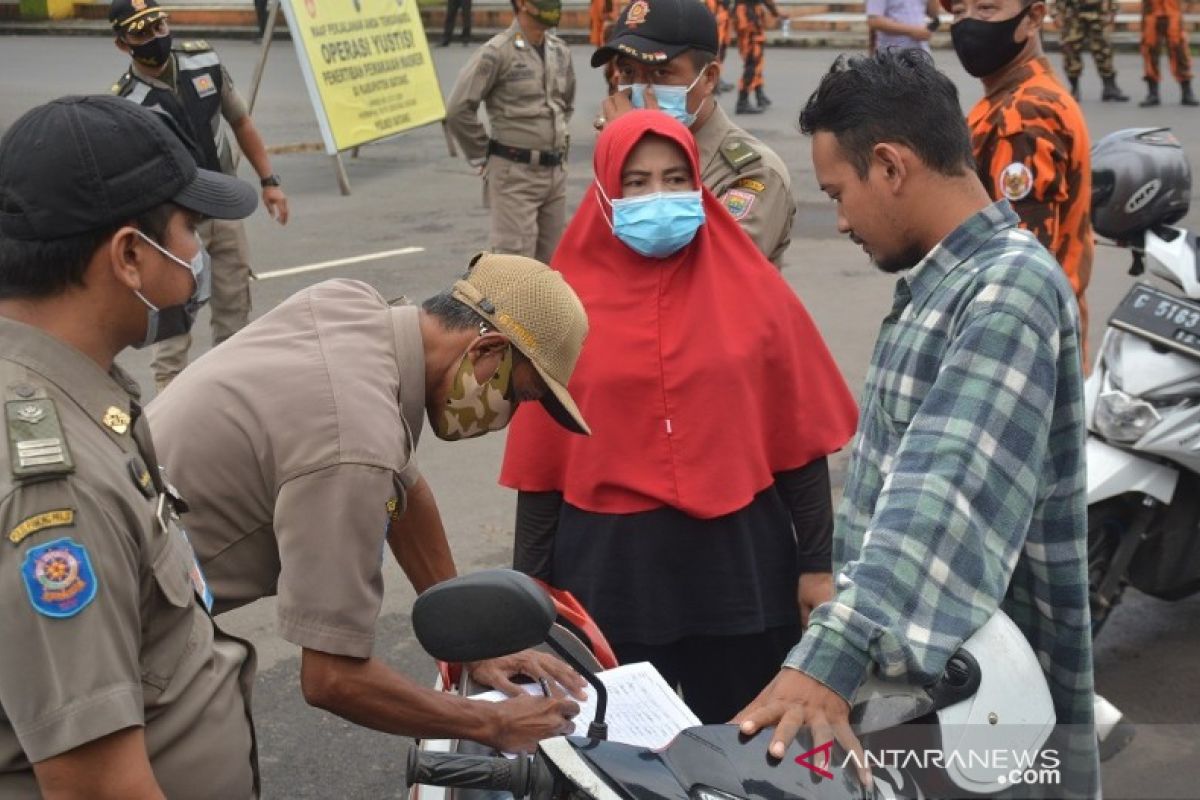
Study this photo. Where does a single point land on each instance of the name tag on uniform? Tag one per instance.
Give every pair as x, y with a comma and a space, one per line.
199, 582
204, 85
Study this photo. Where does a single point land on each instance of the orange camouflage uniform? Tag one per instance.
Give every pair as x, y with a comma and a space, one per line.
1031, 146
1162, 24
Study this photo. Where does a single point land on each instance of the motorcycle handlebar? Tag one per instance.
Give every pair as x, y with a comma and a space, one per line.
469, 772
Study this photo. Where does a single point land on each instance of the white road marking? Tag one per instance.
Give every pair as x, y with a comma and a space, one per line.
337, 262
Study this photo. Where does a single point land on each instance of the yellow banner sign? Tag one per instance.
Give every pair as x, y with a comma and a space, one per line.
367, 67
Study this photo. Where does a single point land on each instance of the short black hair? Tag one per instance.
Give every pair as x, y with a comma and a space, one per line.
34, 269
896, 95
454, 315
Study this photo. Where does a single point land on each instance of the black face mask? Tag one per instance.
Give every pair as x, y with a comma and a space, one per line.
153, 53
987, 47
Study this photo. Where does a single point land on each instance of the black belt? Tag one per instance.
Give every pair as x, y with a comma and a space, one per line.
524, 156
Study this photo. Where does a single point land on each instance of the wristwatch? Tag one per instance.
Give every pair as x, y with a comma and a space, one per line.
270, 180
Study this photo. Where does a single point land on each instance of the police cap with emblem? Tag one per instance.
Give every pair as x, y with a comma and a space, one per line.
82, 164
655, 31
133, 15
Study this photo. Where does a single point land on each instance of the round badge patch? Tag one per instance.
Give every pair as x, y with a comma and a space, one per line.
59, 578
1016, 181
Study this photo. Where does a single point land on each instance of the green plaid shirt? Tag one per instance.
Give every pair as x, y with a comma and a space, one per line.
966, 488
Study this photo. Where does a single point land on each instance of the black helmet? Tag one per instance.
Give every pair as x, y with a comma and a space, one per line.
1140, 178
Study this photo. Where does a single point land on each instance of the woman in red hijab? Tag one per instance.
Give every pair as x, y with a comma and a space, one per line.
685, 521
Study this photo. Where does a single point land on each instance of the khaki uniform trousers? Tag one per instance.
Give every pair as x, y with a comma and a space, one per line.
225, 241
528, 206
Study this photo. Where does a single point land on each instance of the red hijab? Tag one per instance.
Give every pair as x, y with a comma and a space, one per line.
702, 374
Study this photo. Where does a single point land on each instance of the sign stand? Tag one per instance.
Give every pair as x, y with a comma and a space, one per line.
372, 50
343, 180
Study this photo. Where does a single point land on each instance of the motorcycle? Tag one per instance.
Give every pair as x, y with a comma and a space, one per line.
994, 677
1143, 398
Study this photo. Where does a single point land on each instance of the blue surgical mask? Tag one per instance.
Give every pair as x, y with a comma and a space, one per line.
164, 323
656, 225
671, 99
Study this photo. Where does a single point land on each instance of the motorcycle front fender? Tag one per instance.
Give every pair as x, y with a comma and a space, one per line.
1112, 471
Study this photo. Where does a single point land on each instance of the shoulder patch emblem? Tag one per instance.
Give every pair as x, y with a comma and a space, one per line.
58, 518
739, 202
750, 185
739, 155
1016, 181
59, 578
204, 85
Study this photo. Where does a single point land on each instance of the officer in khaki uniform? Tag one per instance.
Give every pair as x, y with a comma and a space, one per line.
114, 680
525, 78
188, 82
663, 46
305, 472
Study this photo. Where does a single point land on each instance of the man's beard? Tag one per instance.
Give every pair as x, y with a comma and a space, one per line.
906, 260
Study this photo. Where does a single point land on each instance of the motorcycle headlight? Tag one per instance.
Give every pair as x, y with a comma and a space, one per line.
1122, 418
1111, 354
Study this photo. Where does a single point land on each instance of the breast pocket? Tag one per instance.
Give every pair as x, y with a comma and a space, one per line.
169, 623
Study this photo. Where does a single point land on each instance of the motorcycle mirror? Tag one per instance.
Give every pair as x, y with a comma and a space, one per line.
483, 615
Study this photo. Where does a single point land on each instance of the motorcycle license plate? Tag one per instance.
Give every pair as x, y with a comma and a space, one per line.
1163, 318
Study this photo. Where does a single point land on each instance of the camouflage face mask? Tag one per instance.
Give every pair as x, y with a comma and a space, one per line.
475, 408
547, 12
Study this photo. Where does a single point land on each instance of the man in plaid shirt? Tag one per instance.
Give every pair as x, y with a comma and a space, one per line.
966, 489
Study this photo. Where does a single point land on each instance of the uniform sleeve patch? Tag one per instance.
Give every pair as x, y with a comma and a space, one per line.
59, 578
750, 185
739, 202
205, 85
1016, 181
58, 518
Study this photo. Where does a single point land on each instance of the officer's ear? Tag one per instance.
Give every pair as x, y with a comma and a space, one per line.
126, 255
121, 45
489, 343
712, 76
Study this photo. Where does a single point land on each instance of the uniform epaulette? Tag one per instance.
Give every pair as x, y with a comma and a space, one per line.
122, 83
192, 46
37, 444
739, 155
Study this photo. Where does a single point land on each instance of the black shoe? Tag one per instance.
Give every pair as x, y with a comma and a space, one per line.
744, 107
1151, 95
724, 86
761, 97
1112, 93
1074, 86
1189, 99
443, 44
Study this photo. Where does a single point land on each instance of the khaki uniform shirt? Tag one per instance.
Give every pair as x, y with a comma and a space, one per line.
293, 443
750, 180
101, 628
529, 97
233, 105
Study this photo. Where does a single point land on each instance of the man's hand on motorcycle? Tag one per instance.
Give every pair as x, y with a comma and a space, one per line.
526, 720
793, 701
499, 672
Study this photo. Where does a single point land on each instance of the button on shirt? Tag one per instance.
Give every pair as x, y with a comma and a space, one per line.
966, 487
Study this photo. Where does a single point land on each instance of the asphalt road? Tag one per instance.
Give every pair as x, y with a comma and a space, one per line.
407, 192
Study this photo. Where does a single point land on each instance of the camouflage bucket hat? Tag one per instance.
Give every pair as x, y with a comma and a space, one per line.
540, 314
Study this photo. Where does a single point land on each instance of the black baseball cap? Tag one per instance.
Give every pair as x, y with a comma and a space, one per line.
133, 15
655, 31
81, 164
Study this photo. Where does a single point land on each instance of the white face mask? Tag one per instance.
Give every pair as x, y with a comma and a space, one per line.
177, 320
